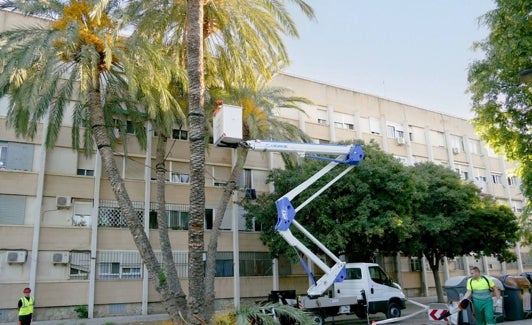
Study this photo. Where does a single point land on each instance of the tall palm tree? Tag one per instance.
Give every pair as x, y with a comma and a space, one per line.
259, 122
196, 119
81, 53
242, 40
221, 42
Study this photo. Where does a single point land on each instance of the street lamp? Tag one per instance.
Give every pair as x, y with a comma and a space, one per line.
525, 76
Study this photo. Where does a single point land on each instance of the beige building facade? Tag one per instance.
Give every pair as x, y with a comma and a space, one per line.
62, 233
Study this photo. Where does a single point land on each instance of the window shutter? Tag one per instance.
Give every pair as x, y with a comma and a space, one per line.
12, 209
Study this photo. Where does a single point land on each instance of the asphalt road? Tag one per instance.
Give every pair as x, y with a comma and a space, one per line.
421, 318
411, 308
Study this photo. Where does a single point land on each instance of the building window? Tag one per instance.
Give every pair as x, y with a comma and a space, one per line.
80, 220
108, 271
111, 217
374, 126
177, 220
513, 181
339, 125
16, 156
481, 179
3, 155
390, 131
245, 179
518, 207
119, 265
415, 264
474, 146
85, 172
349, 126
12, 209
209, 218
458, 263
130, 272
255, 264
224, 264
321, 116
496, 178
464, 175
176, 177
179, 134
80, 263
399, 134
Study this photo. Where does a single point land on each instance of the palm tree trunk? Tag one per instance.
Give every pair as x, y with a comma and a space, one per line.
169, 269
135, 226
196, 116
210, 272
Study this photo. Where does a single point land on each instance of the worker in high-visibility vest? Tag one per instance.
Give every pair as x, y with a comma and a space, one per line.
481, 289
25, 308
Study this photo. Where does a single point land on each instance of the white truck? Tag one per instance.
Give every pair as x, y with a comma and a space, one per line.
344, 288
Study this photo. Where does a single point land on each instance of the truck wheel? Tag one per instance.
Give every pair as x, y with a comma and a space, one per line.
318, 319
394, 310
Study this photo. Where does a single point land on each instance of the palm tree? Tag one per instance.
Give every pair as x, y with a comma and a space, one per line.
82, 53
259, 122
222, 43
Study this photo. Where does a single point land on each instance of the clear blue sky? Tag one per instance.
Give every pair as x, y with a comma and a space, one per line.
412, 51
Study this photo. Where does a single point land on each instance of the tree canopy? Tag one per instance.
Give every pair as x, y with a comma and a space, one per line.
368, 210
502, 105
451, 219
384, 207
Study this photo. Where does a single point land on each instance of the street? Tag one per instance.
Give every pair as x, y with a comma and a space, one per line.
411, 308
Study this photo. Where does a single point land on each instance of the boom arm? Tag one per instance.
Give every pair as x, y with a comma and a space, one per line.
350, 155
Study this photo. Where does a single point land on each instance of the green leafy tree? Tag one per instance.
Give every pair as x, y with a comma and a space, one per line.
367, 211
451, 219
81, 55
503, 106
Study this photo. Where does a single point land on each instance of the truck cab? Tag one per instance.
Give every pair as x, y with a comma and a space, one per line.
381, 293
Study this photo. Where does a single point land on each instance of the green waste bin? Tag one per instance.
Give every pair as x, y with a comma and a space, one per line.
516, 299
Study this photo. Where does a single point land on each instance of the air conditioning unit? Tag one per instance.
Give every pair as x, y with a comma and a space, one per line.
456, 150
16, 257
400, 141
63, 201
60, 258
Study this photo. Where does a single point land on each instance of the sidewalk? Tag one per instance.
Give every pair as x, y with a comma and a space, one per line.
104, 320
136, 319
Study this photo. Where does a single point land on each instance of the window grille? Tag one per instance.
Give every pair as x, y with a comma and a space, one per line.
110, 215
255, 264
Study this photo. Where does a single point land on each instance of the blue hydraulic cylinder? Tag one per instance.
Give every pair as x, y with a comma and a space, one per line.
285, 213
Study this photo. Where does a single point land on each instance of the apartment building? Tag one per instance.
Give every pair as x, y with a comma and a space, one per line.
61, 231
411, 134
